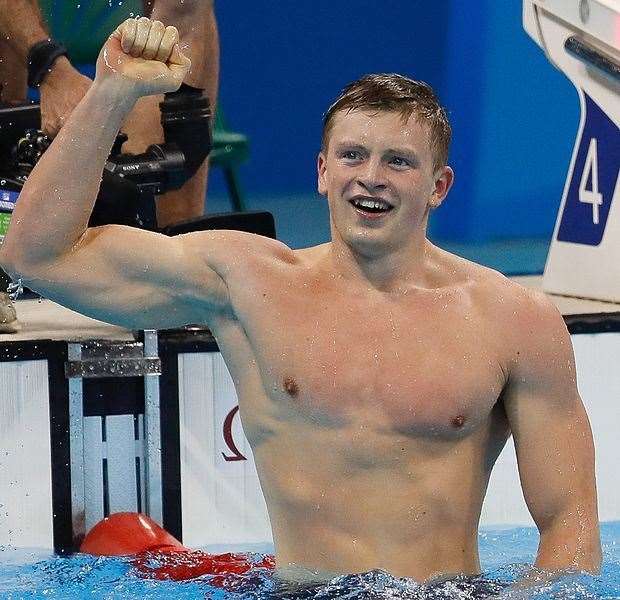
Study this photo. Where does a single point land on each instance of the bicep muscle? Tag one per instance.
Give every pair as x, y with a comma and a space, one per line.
133, 278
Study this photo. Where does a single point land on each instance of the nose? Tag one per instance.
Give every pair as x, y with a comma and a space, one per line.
371, 175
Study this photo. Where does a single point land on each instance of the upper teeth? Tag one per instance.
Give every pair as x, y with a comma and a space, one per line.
371, 203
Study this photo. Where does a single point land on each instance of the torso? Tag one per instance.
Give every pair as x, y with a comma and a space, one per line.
375, 419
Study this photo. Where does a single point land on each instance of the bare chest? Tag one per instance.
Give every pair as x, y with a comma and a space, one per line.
420, 367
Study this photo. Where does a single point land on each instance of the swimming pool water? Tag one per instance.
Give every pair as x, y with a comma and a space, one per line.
504, 554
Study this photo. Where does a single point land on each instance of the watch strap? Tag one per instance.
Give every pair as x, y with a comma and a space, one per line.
41, 57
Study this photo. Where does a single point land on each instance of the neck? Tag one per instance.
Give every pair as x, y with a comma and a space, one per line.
385, 269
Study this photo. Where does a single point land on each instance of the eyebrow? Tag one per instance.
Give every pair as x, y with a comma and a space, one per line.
411, 154
402, 152
349, 145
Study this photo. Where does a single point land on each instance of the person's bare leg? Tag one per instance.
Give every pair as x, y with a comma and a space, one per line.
13, 75
195, 20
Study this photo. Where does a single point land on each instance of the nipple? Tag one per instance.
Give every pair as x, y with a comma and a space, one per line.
291, 387
458, 421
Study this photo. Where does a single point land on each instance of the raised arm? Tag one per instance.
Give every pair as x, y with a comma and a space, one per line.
553, 440
118, 274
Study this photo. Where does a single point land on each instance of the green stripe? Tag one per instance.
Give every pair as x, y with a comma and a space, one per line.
5, 219
84, 25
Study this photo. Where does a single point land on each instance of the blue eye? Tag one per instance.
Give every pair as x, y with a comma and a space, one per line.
351, 154
400, 162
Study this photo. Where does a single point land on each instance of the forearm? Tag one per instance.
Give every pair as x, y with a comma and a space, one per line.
22, 25
56, 201
571, 542
559, 553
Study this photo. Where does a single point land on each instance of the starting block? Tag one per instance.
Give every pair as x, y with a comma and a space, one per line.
582, 39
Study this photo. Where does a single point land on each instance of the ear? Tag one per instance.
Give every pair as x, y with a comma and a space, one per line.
444, 178
321, 166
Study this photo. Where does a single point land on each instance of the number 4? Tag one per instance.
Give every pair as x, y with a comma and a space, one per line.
592, 196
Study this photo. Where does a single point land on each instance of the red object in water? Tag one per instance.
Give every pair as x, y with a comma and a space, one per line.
180, 566
128, 533
159, 555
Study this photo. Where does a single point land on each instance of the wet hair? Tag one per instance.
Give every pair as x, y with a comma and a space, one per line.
390, 92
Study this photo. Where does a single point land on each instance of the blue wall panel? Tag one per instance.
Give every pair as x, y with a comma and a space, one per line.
514, 117
460, 93
283, 63
529, 116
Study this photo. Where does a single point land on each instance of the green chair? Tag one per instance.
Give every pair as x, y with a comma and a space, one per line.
84, 25
229, 149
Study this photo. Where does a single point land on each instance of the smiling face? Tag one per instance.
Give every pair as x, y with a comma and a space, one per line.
377, 173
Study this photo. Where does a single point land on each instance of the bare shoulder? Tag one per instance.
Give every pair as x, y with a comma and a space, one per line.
517, 315
499, 296
523, 309
232, 253
526, 325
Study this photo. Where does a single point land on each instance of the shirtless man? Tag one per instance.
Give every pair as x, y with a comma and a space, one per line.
378, 376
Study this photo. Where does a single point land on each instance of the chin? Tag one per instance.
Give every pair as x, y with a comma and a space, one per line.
363, 239
367, 242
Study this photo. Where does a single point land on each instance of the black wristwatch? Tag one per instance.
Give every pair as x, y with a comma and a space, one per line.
41, 57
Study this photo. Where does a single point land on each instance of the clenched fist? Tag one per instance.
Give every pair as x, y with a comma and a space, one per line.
143, 56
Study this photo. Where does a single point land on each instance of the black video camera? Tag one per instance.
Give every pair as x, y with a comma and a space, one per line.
130, 182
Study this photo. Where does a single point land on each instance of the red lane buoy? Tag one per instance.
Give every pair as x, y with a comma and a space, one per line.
159, 555
128, 533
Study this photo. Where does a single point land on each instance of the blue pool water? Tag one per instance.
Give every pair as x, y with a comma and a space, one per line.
504, 553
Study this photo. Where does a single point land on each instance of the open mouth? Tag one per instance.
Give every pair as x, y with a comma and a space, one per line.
370, 205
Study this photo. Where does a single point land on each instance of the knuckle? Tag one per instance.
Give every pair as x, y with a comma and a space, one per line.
128, 28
